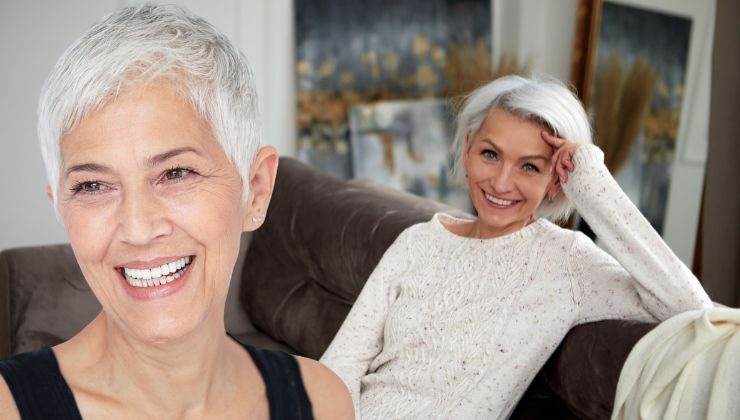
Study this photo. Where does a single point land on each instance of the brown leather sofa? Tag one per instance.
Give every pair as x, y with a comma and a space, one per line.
295, 281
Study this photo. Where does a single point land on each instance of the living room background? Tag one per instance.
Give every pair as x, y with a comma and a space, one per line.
33, 34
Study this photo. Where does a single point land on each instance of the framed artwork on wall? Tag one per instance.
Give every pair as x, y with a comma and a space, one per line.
349, 53
637, 66
406, 145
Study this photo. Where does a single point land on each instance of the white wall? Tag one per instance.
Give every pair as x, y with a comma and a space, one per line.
32, 36
540, 31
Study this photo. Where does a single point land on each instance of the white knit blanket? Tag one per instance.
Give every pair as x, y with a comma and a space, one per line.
686, 368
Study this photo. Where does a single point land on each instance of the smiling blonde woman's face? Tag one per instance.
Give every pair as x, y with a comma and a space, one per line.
153, 210
508, 172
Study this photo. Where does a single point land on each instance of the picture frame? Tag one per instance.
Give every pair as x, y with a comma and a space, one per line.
683, 190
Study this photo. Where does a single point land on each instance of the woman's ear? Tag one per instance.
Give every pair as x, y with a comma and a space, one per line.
50, 194
261, 184
555, 187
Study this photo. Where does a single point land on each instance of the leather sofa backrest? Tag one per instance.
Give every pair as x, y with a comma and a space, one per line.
320, 241
48, 299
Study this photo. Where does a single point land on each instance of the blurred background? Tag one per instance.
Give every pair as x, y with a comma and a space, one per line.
368, 89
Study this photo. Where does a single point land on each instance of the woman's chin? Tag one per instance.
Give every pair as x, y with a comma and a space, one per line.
164, 330
160, 326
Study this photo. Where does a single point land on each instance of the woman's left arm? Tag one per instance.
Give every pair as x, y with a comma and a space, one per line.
665, 285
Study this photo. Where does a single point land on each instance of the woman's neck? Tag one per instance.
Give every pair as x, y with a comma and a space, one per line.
478, 230
183, 375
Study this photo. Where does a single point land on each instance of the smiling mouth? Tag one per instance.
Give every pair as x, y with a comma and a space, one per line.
499, 202
156, 276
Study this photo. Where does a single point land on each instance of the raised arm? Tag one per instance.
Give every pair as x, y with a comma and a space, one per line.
360, 338
647, 265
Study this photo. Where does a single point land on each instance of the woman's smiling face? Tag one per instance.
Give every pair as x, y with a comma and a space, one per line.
153, 210
508, 172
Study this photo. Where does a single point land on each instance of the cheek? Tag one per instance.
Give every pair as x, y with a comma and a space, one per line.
478, 171
536, 187
215, 210
214, 221
89, 232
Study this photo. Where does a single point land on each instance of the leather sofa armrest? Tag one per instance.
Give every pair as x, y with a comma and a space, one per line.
580, 379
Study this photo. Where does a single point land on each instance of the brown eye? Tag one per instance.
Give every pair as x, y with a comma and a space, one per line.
176, 173
89, 187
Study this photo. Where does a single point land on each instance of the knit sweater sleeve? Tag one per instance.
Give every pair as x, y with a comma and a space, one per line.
642, 274
360, 338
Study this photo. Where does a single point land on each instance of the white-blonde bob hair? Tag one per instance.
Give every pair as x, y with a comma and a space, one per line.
543, 100
147, 43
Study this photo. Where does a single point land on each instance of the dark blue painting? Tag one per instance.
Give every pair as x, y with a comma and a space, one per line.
351, 53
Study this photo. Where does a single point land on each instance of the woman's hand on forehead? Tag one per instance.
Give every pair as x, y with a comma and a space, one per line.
562, 160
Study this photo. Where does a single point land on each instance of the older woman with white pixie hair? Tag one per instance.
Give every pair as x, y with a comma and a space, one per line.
459, 314
149, 132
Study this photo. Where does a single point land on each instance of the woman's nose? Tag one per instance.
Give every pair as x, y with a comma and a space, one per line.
142, 218
503, 180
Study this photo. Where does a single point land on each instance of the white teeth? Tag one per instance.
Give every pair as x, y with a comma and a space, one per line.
156, 276
499, 201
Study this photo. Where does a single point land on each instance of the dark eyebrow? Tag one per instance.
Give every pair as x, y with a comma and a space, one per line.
523, 158
163, 157
492, 144
87, 167
151, 162
534, 157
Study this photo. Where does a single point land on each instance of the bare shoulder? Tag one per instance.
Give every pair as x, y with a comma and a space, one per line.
329, 396
8, 410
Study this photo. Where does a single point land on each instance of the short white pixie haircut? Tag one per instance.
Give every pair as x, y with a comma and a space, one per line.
543, 100
151, 43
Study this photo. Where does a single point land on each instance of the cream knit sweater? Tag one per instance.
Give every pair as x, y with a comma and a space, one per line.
454, 327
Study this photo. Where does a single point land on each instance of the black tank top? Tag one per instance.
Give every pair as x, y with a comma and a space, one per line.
40, 391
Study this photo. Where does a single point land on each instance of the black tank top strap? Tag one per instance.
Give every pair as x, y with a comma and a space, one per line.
38, 387
286, 394
40, 391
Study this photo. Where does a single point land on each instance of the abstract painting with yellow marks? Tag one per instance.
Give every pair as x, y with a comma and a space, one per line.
350, 53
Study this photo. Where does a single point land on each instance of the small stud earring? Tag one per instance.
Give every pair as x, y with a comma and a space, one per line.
258, 218
549, 199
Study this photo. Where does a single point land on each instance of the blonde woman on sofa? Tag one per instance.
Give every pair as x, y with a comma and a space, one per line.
459, 315
150, 137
